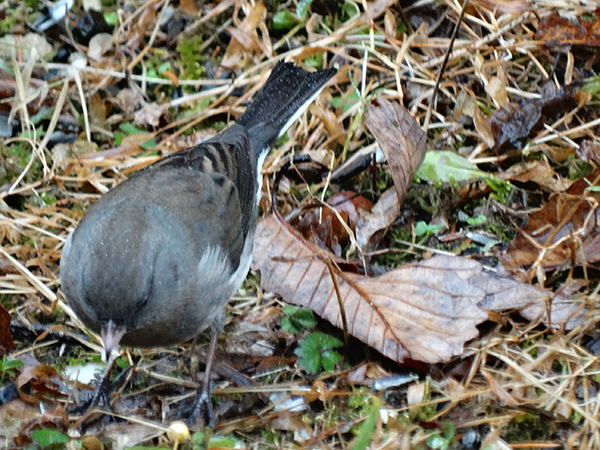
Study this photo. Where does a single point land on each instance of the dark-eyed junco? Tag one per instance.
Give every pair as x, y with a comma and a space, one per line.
156, 259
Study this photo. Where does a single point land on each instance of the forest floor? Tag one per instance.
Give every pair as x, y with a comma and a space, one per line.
439, 295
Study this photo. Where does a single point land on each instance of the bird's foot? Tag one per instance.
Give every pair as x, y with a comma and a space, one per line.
203, 409
102, 393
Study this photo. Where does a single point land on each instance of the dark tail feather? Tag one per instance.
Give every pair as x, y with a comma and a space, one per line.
286, 94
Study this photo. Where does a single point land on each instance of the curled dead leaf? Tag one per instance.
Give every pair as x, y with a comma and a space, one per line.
400, 138
245, 39
381, 216
560, 32
514, 123
539, 172
34, 381
330, 226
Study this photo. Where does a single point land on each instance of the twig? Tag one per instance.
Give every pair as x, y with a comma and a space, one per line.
444, 63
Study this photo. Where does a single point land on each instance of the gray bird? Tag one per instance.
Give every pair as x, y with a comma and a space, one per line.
156, 259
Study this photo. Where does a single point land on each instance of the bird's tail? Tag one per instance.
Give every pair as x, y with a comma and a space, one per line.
284, 97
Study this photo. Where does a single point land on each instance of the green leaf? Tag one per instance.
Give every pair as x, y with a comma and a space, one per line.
425, 229
112, 18
122, 362
445, 167
349, 10
346, 101
297, 319
285, 20
306, 318
290, 310
164, 66
449, 431
316, 61
502, 189
329, 359
8, 365
368, 427
302, 8
47, 437
198, 438
119, 138
129, 129
315, 352
223, 442
479, 220
436, 441
192, 57
360, 401
444, 440
592, 85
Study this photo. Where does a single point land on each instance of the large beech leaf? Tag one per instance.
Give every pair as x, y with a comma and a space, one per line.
424, 311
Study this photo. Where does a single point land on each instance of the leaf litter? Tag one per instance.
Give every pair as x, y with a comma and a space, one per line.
500, 341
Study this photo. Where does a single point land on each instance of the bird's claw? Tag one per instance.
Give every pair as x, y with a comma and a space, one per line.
203, 409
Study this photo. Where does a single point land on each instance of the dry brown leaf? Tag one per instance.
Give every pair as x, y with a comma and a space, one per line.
127, 435
496, 88
517, 120
97, 109
589, 151
150, 114
128, 100
331, 124
189, 6
244, 39
39, 379
559, 32
99, 45
6, 343
292, 421
498, 390
563, 231
323, 224
404, 145
137, 32
415, 397
424, 311
482, 126
400, 138
540, 172
382, 215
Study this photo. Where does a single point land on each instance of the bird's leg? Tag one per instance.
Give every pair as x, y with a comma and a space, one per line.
203, 407
111, 336
102, 392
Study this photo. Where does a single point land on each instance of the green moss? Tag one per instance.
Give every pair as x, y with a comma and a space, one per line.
528, 427
191, 56
14, 158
